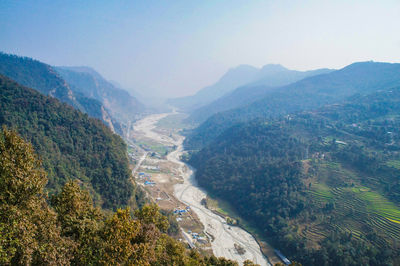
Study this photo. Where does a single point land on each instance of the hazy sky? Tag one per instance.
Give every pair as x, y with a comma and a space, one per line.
172, 48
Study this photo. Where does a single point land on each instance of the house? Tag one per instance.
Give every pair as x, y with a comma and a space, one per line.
150, 183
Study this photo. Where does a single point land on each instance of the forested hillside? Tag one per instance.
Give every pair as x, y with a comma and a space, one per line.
307, 94
122, 106
321, 185
71, 145
70, 230
43, 78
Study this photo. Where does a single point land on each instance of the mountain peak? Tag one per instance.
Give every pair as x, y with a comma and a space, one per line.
273, 68
82, 69
241, 69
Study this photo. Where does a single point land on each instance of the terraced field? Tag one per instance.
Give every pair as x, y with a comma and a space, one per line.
359, 210
394, 164
322, 193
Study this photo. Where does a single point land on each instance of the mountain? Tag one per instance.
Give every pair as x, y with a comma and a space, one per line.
43, 78
232, 79
70, 144
86, 81
306, 94
322, 185
68, 229
268, 78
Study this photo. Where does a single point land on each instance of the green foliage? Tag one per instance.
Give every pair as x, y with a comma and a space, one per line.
80, 221
150, 214
307, 94
173, 228
29, 230
43, 78
21, 176
73, 231
327, 170
70, 144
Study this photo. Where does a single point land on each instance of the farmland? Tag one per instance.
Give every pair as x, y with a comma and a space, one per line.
359, 210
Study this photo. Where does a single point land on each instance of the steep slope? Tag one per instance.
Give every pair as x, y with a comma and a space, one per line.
323, 185
306, 94
68, 229
268, 78
43, 78
71, 145
232, 79
120, 103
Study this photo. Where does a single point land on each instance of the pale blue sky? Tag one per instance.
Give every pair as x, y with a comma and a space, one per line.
171, 47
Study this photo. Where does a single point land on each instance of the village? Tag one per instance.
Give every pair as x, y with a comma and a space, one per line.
156, 176
155, 152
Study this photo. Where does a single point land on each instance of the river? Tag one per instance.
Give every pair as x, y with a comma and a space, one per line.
224, 235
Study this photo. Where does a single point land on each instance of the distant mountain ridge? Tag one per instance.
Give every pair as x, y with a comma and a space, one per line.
45, 79
81, 87
270, 75
306, 94
232, 79
268, 78
122, 106
70, 144
37, 75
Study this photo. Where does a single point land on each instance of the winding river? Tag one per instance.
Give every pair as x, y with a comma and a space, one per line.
224, 235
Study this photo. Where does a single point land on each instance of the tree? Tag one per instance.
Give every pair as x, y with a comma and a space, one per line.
28, 227
79, 220
150, 214
249, 263
119, 245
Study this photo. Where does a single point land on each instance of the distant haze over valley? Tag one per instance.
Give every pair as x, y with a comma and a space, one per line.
229, 132
173, 49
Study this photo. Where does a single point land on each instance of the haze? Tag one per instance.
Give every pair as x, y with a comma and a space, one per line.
174, 48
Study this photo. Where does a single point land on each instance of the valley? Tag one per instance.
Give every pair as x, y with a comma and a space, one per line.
200, 133
171, 184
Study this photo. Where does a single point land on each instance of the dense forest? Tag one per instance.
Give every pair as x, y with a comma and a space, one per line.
45, 79
70, 144
68, 230
307, 94
321, 185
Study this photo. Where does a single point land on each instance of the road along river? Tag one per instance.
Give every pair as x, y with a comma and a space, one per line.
224, 236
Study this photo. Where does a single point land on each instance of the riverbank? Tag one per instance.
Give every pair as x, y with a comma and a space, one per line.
224, 209
176, 179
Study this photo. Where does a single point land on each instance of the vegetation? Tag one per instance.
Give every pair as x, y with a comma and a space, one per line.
71, 230
70, 144
323, 185
43, 78
307, 94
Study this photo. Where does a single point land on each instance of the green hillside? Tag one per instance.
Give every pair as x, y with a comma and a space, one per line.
70, 230
44, 78
322, 185
71, 145
307, 94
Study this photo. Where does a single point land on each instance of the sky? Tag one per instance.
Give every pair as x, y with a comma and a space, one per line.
171, 48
